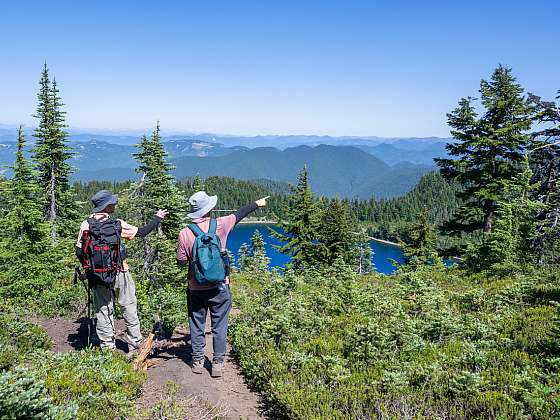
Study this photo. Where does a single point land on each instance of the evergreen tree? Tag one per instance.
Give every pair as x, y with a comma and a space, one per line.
26, 259
363, 253
51, 154
159, 189
488, 150
156, 190
545, 159
243, 257
258, 259
420, 242
300, 226
336, 234
509, 246
23, 223
198, 184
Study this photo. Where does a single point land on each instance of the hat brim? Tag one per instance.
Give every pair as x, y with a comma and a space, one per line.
205, 210
114, 199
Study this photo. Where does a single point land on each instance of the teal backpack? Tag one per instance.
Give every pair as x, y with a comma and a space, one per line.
209, 264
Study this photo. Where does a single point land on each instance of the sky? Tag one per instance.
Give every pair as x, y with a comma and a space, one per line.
355, 68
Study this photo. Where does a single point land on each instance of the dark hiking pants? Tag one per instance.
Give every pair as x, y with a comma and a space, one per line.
218, 301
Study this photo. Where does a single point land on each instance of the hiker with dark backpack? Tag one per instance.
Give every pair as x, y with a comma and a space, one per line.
202, 247
101, 252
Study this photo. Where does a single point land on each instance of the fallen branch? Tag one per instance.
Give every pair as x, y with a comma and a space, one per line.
144, 352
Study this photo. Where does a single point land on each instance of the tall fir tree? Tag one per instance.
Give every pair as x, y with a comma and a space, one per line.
488, 150
51, 154
337, 234
156, 189
26, 260
508, 247
300, 226
545, 160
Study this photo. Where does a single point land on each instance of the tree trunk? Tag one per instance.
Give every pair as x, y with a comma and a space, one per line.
52, 212
488, 216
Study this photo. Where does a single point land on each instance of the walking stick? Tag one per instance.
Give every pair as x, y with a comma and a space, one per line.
78, 275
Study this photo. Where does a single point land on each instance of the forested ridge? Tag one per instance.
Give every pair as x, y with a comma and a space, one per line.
326, 336
385, 217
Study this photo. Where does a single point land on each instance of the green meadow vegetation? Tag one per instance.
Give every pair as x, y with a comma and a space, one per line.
325, 337
428, 343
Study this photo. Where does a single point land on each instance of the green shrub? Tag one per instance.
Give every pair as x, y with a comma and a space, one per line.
535, 330
89, 384
30, 282
168, 301
101, 384
18, 338
24, 396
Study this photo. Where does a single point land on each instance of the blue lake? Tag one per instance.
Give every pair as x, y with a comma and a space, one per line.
242, 234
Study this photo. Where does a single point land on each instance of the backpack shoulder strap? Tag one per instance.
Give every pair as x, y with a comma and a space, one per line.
195, 229
213, 227
118, 226
93, 224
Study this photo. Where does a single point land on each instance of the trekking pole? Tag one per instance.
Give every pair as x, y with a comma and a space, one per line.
89, 321
83, 278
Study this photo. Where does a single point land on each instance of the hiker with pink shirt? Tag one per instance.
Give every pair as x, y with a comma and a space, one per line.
202, 248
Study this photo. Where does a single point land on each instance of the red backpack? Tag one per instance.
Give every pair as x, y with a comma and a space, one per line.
102, 248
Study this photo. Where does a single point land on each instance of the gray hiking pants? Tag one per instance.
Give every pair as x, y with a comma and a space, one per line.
218, 301
124, 291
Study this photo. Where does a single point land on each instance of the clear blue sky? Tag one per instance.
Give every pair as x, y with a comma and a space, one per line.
386, 68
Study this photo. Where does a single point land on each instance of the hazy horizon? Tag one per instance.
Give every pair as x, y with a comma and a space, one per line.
175, 131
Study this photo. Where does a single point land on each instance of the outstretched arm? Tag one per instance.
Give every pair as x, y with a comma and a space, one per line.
244, 211
152, 224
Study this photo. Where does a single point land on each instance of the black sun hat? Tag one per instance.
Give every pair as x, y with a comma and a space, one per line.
102, 199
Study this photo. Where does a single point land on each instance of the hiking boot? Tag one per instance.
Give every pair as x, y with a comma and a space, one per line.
217, 369
134, 348
197, 366
132, 344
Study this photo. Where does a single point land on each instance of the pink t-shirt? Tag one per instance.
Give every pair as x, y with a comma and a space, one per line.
186, 240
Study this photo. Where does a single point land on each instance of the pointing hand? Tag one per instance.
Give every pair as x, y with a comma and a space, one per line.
162, 213
262, 202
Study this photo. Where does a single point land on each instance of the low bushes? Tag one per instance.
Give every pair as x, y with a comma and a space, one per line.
168, 301
41, 284
24, 396
18, 338
37, 383
429, 343
101, 384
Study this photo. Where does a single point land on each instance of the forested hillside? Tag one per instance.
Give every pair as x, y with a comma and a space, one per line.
336, 171
433, 195
385, 217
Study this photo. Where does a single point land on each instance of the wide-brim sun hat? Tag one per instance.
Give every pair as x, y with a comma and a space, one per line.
201, 204
102, 199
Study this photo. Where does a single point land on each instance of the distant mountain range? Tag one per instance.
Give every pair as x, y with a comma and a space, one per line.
338, 166
343, 171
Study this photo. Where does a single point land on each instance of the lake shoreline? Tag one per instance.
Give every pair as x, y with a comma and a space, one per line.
257, 222
270, 222
384, 242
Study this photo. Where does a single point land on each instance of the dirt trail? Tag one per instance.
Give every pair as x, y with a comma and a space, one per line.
229, 393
